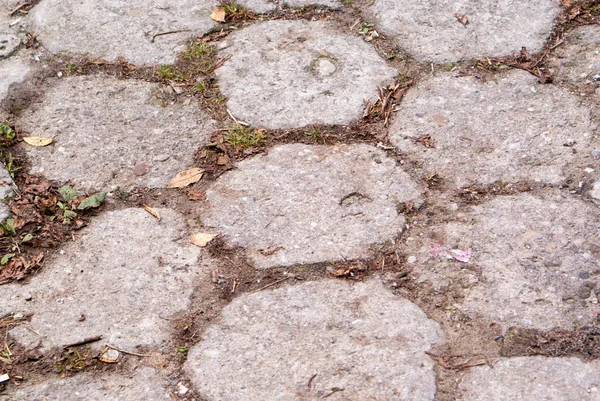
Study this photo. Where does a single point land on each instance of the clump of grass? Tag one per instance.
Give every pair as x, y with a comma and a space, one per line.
169, 73
243, 137
199, 50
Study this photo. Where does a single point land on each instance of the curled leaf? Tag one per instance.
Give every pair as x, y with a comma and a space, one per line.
152, 211
202, 239
37, 141
185, 178
6, 258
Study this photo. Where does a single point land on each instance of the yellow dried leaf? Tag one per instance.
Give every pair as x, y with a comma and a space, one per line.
152, 211
218, 15
38, 141
185, 178
202, 239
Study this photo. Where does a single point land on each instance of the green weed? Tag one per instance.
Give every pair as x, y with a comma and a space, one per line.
243, 137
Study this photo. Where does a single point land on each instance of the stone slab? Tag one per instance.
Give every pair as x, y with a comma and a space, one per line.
7, 187
535, 260
111, 132
267, 6
508, 129
12, 70
303, 204
9, 42
123, 278
108, 29
578, 60
429, 31
533, 379
290, 74
356, 337
141, 385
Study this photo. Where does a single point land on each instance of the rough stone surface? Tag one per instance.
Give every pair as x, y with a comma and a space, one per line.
307, 204
358, 337
109, 29
126, 274
12, 70
7, 187
535, 259
266, 6
289, 74
595, 192
578, 60
533, 379
143, 385
104, 127
429, 30
508, 129
9, 42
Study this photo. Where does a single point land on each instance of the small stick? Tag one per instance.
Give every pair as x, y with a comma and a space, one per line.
84, 341
270, 285
127, 352
234, 285
20, 7
236, 120
166, 33
311, 379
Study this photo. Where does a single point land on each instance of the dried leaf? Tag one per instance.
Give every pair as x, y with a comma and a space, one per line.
92, 201
202, 239
185, 178
37, 141
218, 15
152, 211
462, 18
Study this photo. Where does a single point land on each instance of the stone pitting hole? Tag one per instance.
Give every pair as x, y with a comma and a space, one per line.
324, 66
354, 199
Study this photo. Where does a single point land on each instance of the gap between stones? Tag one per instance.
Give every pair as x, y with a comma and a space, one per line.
236, 275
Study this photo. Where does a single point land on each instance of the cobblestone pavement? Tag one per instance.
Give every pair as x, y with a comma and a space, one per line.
299, 200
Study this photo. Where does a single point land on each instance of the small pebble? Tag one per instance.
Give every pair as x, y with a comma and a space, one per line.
141, 169
412, 259
27, 296
161, 158
596, 153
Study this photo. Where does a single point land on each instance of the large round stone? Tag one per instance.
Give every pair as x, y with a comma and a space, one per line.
265, 6
535, 260
578, 60
430, 30
111, 132
510, 128
533, 379
303, 204
141, 31
141, 385
289, 74
123, 278
306, 341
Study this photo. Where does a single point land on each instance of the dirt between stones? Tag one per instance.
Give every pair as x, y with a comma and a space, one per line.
469, 341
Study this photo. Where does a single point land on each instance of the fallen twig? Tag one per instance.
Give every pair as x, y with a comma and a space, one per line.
84, 341
127, 352
270, 285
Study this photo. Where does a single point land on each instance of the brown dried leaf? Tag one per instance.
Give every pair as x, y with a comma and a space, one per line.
218, 15
202, 239
152, 211
462, 18
185, 178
